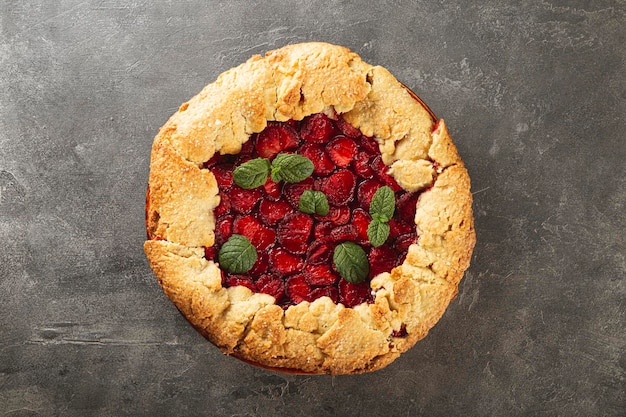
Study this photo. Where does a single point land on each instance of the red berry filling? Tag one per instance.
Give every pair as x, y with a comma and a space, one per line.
295, 249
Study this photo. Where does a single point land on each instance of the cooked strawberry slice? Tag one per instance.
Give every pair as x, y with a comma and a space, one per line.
271, 212
339, 187
285, 263
224, 176
362, 165
243, 201
322, 164
329, 291
293, 192
403, 242
275, 138
341, 150
320, 252
361, 221
351, 295
366, 192
224, 207
319, 275
346, 128
294, 231
382, 259
322, 230
347, 232
272, 285
380, 171
234, 280
260, 236
224, 229
272, 189
398, 227
336, 215
247, 148
209, 253
317, 128
406, 207
370, 144
297, 289
260, 266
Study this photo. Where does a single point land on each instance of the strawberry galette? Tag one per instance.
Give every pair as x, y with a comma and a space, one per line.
308, 213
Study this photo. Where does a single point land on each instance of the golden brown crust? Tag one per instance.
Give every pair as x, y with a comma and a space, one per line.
320, 336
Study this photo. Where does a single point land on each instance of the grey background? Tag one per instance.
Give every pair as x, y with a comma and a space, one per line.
534, 93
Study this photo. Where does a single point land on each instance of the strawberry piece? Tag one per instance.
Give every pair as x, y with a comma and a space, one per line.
320, 252
380, 171
361, 221
224, 229
294, 231
406, 206
398, 227
351, 295
271, 212
341, 150
285, 263
339, 187
275, 138
403, 242
336, 215
292, 192
234, 280
346, 128
362, 165
370, 144
243, 201
366, 192
322, 164
209, 253
224, 207
260, 266
260, 236
329, 291
319, 275
317, 128
272, 285
224, 176
247, 148
271, 189
219, 159
344, 233
382, 259
297, 289
322, 230
400, 332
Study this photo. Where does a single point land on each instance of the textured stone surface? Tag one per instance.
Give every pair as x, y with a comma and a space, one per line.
534, 94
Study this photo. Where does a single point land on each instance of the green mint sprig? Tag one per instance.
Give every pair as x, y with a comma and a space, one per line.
313, 202
252, 174
237, 255
291, 167
382, 208
285, 167
351, 262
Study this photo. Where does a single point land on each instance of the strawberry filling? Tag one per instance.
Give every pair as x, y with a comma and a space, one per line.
295, 249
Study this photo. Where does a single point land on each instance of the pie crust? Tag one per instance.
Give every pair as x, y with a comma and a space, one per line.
320, 336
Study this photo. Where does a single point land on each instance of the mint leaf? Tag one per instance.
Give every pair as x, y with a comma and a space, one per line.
313, 202
237, 255
252, 174
383, 204
351, 262
291, 167
378, 232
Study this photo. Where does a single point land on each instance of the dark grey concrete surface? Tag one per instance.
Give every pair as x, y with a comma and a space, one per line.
534, 93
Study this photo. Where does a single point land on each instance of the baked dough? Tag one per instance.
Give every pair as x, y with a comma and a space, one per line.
320, 336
